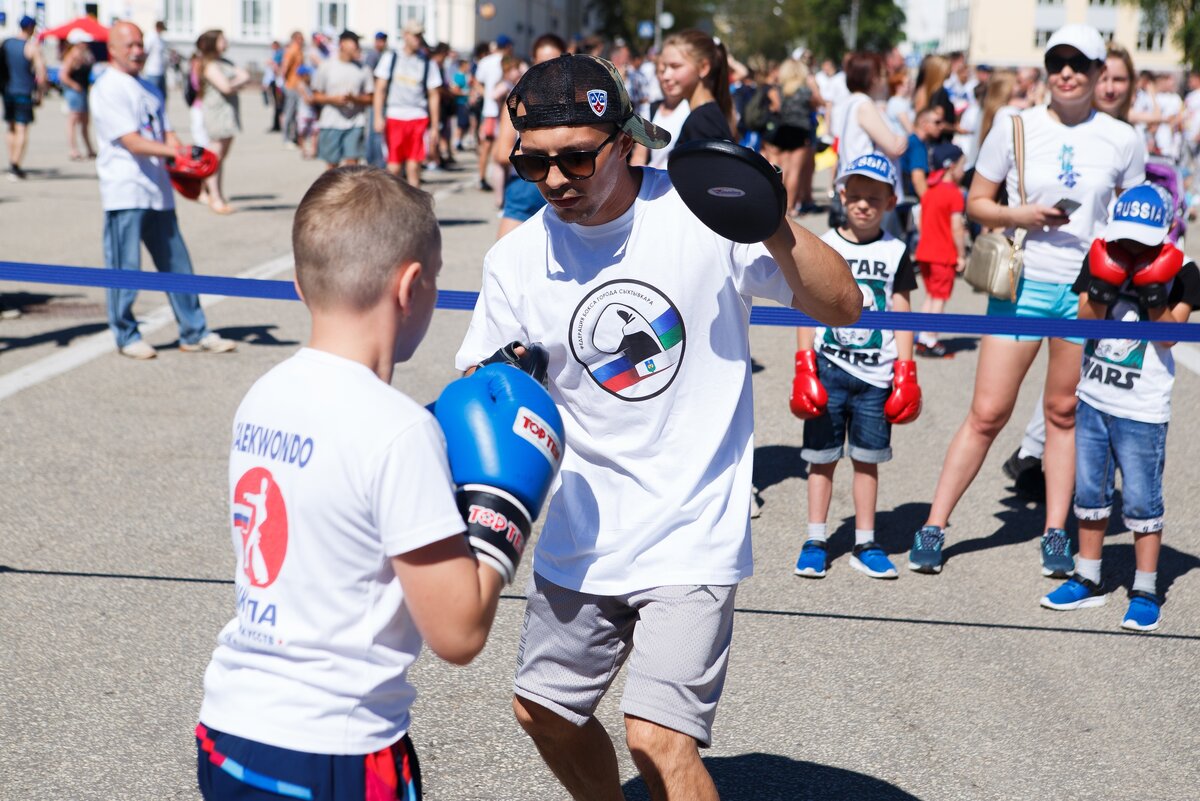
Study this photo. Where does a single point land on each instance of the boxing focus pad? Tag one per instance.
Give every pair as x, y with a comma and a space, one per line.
1106, 270
504, 439
1152, 275
809, 398
904, 404
535, 362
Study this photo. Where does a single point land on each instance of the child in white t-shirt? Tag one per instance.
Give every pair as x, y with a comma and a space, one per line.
347, 534
1132, 274
855, 383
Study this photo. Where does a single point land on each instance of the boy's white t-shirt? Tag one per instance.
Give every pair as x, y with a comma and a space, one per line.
881, 268
1132, 378
646, 319
121, 104
1085, 163
331, 472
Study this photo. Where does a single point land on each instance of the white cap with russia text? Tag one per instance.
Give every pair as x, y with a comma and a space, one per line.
1140, 214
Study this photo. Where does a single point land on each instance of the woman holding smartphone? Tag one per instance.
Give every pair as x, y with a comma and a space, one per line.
1073, 155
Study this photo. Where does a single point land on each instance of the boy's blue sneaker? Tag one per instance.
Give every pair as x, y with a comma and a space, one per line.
811, 563
1144, 613
1057, 561
1076, 593
869, 558
926, 553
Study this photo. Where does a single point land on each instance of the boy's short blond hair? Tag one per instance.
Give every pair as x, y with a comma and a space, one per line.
353, 228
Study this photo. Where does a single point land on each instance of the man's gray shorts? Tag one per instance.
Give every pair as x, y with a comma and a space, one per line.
335, 146
676, 639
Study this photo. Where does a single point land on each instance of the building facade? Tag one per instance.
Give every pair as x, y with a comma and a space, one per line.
1015, 32
251, 25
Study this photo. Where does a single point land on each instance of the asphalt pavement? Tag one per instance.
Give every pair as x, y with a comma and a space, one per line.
115, 564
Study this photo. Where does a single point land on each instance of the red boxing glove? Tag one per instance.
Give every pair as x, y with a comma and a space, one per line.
189, 167
1150, 278
904, 405
809, 398
1107, 268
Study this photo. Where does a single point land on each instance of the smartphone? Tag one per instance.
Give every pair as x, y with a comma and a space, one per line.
1067, 206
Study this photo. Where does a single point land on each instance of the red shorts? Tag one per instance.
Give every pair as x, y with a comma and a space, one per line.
938, 278
406, 140
489, 127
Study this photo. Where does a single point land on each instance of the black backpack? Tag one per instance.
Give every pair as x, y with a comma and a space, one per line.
796, 110
757, 112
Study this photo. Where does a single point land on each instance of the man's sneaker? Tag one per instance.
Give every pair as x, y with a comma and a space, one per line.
869, 558
1057, 561
1076, 593
935, 351
138, 349
209, 343
926, 553
15, 173
1018, 464
1144, 613
811, 563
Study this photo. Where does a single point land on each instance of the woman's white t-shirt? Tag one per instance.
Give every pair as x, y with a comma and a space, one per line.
672, 123
646, 319
1085, 163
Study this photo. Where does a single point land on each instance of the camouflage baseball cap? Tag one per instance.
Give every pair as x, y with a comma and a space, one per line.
578, 90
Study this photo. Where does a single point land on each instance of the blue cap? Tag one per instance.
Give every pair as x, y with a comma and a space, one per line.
943, 155
380, 35
27, 22
304, 69
1140, 214
503, 41
873, 166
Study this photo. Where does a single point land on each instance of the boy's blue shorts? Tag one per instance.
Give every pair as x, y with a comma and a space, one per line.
233, 768
855, 409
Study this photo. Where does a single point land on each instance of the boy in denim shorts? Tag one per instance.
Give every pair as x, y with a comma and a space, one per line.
857, 382
1125, 398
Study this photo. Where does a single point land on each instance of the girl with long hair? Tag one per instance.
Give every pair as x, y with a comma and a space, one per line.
219, 84
695, 67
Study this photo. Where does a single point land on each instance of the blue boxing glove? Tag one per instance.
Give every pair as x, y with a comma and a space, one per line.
504, 438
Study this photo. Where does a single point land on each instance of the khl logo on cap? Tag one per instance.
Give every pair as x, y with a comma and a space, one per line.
598, 100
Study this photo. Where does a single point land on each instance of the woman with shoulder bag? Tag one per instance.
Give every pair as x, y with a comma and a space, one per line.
793, 99
1076, 159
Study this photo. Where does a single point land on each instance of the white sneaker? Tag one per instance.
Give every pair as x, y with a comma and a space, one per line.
209, 343
138, 349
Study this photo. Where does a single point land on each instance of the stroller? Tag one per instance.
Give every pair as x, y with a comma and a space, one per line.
1163, 174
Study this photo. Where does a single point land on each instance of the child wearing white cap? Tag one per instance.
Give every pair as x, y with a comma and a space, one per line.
853, 384
1124, 393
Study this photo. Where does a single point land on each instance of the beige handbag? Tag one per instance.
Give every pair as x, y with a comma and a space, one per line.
996, 262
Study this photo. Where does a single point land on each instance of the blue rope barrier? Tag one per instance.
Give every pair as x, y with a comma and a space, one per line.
30, 272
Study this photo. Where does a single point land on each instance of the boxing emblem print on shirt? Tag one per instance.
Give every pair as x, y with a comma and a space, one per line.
260, 516
629, 337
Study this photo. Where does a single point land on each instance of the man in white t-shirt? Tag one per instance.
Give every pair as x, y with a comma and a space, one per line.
489, 72
1167, 135
136, 141
346, 533
645, 314
344, 89
155, 70
406, 103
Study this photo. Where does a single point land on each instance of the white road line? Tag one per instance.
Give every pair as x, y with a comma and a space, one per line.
89, 348
96, 345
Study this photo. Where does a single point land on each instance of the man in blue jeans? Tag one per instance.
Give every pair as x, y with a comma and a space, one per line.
136, 140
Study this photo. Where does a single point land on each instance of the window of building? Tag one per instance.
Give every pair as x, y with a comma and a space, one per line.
256, 19
1108, 35
1152, 32
406, 11
1049, 2
179, 16
1110, 3
331, 14
1041, 37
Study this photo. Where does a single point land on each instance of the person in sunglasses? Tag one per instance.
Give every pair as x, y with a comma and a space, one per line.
644, 313
1076, 158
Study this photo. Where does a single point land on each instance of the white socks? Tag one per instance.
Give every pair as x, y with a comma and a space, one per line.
818, 532
864, 535
1088, 569
1145, 582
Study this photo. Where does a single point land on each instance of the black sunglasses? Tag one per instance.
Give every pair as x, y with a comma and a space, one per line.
1078, 63
575, 165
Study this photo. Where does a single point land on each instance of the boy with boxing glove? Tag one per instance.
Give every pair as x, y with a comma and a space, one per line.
1124, 394
347, 532
856, 383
